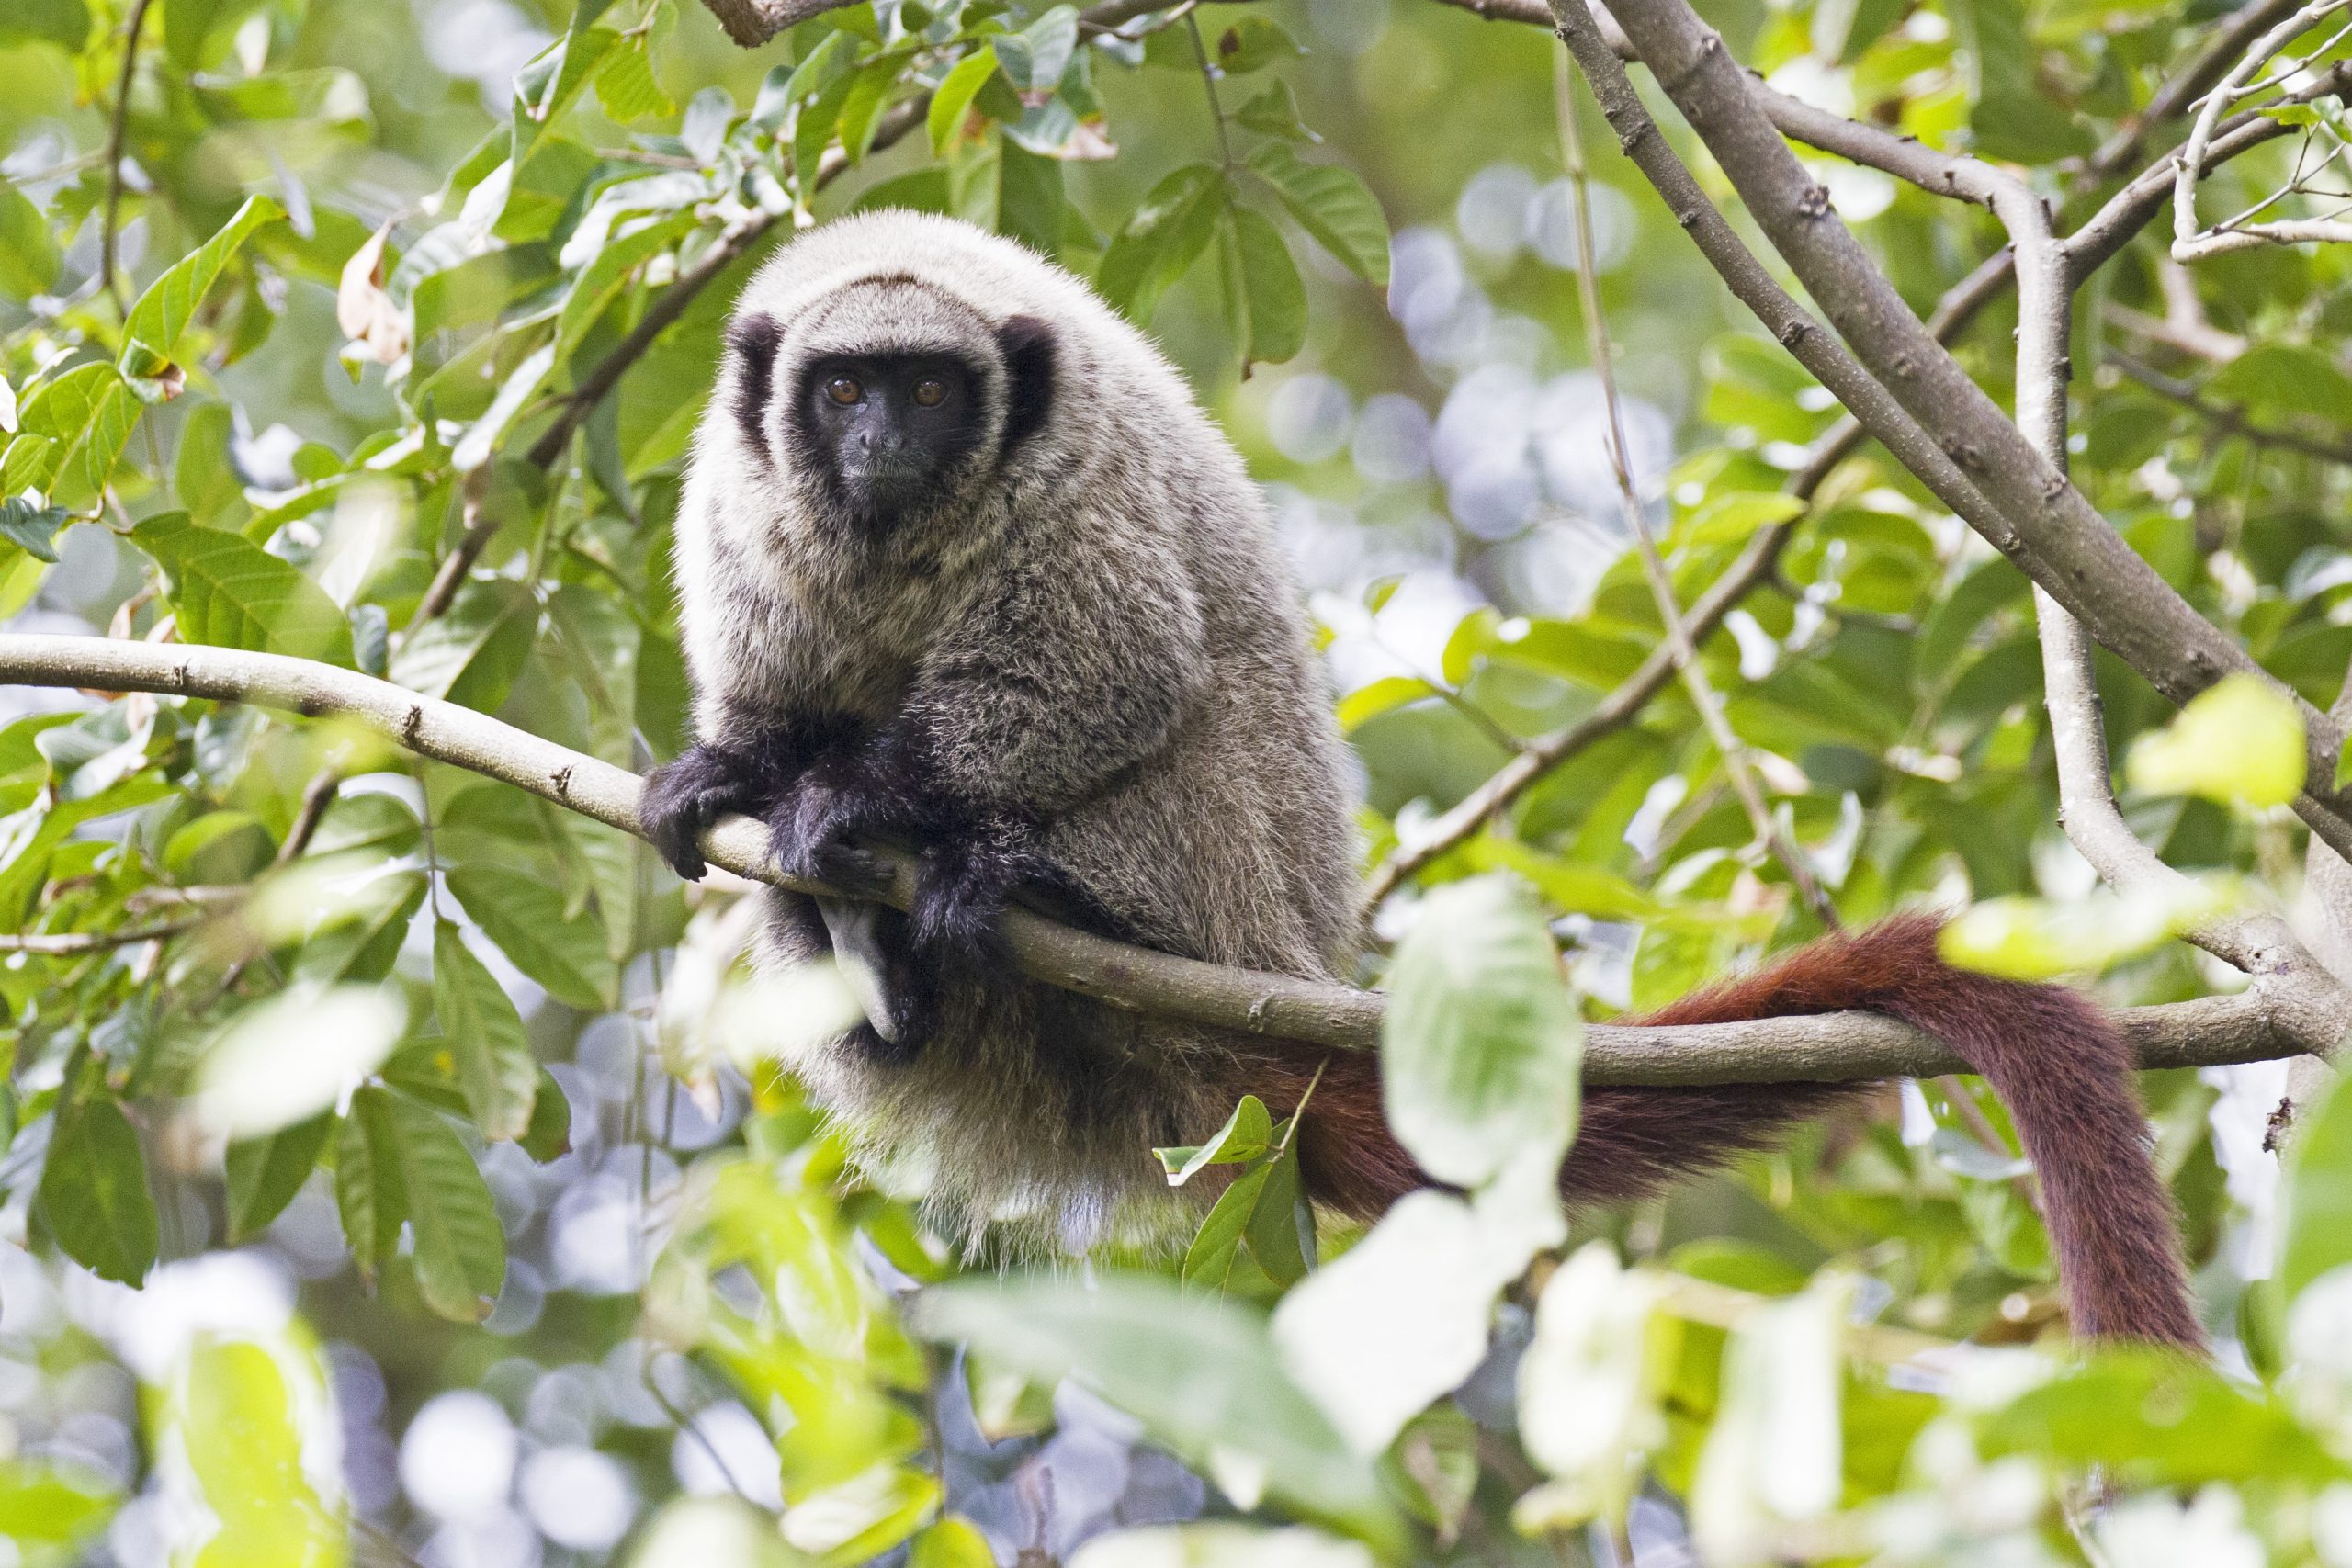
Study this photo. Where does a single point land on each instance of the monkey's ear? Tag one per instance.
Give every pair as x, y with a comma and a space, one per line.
1027, 345
754, 340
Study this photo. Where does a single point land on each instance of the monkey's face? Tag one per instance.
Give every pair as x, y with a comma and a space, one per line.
891, 429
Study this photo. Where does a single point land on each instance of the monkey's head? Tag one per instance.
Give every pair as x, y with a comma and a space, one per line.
887, 402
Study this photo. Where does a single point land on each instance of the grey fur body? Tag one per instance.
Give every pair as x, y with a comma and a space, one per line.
1097, 634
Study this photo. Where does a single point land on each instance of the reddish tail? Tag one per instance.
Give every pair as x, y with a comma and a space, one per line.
2056, 1061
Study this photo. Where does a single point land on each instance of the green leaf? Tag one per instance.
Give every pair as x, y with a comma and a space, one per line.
151, 337
1480, 1047
362, 948
31, 528
93, 1192
474, 449
73, 430
264, 1173
1200, 1375
461, 1250
1035, 57
1386, 695
65, 23
1250, 43
2317, 1232
229, 592
525, 918
236, 1414
1245, 1135
1208, 1263
1278, 1222
2286, 382
41, 1507
1330, 203
368, 1192
950, 1544
550, 1134
495, 1067
2239, 741
627, 89
1274, 112
471, 654
2032, 939
28, 254
1030, 205
1730, 517
1165, 235
951, 99
1272, 295
188, 25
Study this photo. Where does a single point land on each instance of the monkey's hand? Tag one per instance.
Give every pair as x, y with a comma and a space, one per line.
683, 797
810, 829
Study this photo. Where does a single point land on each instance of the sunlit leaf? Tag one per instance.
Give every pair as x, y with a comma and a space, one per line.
1480, 1048
952, 101
152, 333
2032, 939
286, 1059
239, 1412
1201, 1375
2240, 742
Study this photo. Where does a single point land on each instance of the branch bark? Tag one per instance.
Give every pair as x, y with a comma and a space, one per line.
2256, 1025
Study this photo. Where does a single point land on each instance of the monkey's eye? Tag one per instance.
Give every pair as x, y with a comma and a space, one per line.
931, 394
844, 392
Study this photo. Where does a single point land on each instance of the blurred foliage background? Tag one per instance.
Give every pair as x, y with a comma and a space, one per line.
393, 1172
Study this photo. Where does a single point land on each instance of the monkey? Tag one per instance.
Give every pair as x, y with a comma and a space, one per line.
964, 568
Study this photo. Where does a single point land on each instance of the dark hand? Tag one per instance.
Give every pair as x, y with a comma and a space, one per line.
685, 797
810, 829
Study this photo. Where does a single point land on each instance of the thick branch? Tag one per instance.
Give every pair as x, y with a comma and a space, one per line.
2250, 1027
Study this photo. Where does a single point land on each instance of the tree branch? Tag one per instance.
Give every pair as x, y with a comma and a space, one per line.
2253, 1026
2036, 517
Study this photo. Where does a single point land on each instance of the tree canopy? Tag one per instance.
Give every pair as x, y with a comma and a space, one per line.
1752, 470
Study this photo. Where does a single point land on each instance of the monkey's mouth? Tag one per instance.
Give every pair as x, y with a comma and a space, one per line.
889, 487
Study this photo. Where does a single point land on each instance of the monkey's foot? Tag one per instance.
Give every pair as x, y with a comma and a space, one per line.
685, 797
962, 886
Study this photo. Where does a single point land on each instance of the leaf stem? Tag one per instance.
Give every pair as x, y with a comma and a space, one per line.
1685, 652
117, 134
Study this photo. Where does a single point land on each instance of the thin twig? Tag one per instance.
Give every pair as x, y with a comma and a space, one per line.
1678, 642
2228, 416
115, 134
68, 944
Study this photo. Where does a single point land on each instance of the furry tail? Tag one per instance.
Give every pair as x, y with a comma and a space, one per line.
2062, 1068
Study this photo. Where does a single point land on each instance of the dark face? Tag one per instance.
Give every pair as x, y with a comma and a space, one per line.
891, 427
